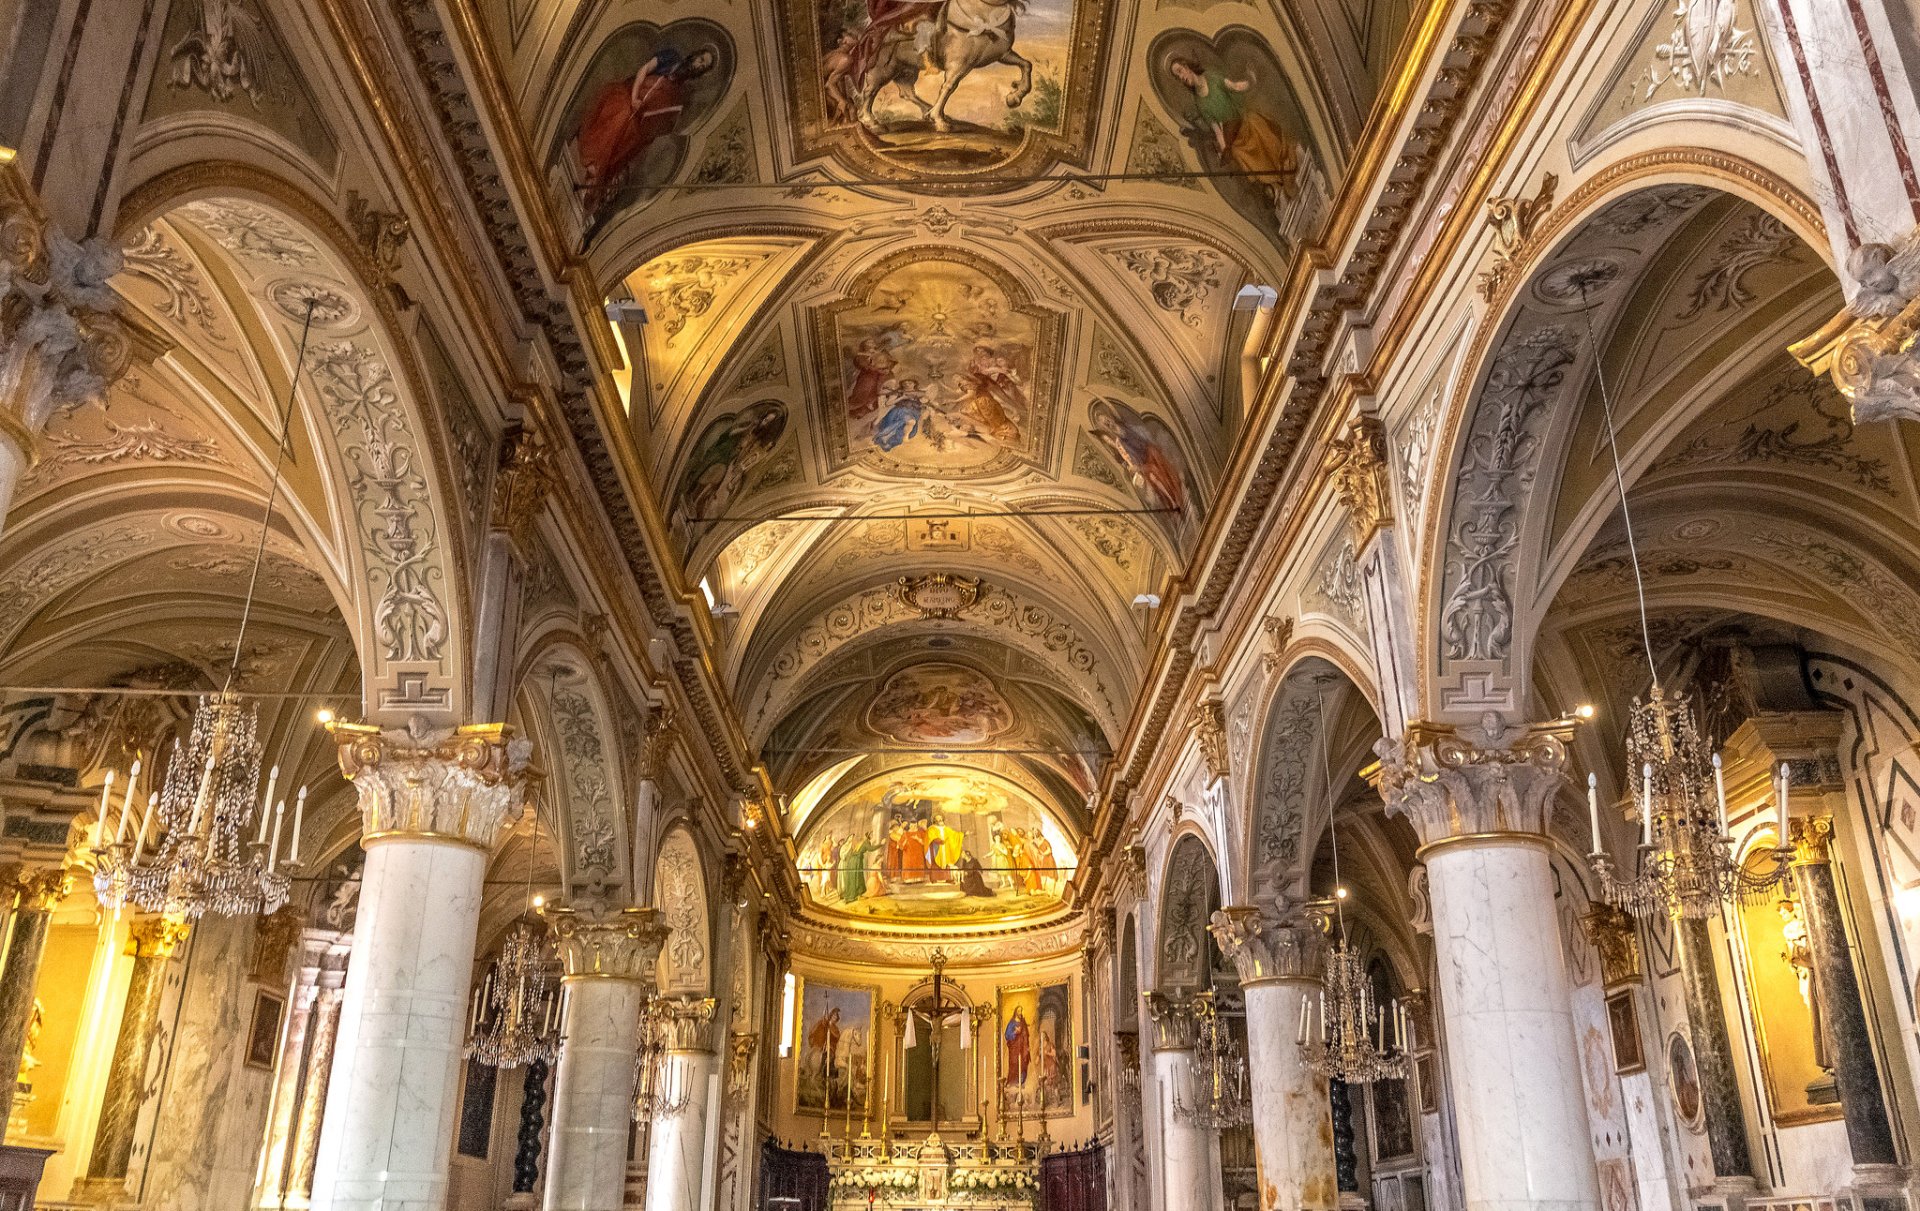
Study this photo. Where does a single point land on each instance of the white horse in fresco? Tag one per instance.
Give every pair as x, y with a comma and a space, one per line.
959, 38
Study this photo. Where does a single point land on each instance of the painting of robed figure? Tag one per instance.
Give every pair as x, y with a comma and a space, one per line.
1036, 1051
833, 1056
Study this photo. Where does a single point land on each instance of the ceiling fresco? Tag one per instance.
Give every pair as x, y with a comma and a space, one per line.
940, 361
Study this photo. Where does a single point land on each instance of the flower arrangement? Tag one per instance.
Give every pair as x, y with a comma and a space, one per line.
864, 1178
995, 1179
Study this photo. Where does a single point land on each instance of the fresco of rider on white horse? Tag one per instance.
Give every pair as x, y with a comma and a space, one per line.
945, 88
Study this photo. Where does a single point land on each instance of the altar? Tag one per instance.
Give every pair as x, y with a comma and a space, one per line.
982, 1175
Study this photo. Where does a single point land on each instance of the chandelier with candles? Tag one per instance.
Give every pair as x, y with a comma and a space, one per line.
190, 855
515, 1015
661, 1088
1220, 1097
1687, 867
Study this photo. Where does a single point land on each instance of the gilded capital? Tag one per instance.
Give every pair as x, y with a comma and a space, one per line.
1462, 782
1872, 347
682, 1023
520, 486
1265, 948
157, 936
741, 1046
1173, 1021
1616, 941
1357, 462
1812, 840
41, 890
1210, 731
622, 945
462, 785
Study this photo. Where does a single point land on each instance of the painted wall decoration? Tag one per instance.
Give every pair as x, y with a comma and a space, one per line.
938, 366
944, 88
1240, 115
1149, 456
730, 450
626, 128
1036, 1050
944, 844
833, 1057
1683, 1079
939, 704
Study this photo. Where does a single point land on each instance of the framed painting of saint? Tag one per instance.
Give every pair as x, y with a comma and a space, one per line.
833, 1060
1035, 1049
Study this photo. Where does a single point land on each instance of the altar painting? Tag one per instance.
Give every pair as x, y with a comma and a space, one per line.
1035, 1047
836, 1026
937, 846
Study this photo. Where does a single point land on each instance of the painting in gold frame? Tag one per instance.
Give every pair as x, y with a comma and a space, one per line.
833, 1066
1033, 1045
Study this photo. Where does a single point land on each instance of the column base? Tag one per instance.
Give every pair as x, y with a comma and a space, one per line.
520, 1202
1353, 1200
1878, 1181
100, 1191
1733, 1193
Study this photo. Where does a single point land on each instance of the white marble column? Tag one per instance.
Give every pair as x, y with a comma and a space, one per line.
433, 806
677, 1143
1281, 966
609, 962
1480, 801
1190, 1165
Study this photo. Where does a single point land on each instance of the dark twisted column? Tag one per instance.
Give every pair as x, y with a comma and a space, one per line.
37, 894
1346, 1162
533, 1122
153, 943
1842, 1018
1713, 1052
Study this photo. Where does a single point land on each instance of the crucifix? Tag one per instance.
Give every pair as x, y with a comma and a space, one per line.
937, 1010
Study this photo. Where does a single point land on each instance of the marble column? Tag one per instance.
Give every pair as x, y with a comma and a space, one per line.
1480, 800
1190, 1171
1713, 1051
37, 894
433, 805
609, 960
313, 1100
153, 942
529, 1144
1280, 964
1346, 1159
677, 1140
1843, 1018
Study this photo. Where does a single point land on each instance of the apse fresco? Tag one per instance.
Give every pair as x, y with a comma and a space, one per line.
935, 846
941, 370
1243, 121
625, 130
943, 87
939, 704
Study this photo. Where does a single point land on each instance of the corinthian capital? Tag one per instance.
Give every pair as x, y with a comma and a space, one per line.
42, 889
1265, 946
1358, 464
461, 785
622, 945
1173, 1021
1870, 348
1459, 782
682, 1023
60, 341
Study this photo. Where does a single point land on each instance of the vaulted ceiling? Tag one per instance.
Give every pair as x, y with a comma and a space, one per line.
934, 392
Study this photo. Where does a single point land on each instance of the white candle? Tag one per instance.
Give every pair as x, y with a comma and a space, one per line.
1780, 793
200, 798
1646, 804
1305, 1008
273, 851
1593, 810
273, 779
299, 810
100, 822
1720, 791
146, 818
126, 800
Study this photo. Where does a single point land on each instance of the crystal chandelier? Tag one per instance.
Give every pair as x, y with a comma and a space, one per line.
200, 862
1218, 1078
660, 1086
1353, 1038
1687, 869
517, 1007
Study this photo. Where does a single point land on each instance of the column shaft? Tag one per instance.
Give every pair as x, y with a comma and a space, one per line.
38, 893
1713, 1052
533, 1129
677, 1147
154, 943
1292, 1131
1512, 1058
391, 1101
284, 1115
593, 1095
1191, 1172
313, 1101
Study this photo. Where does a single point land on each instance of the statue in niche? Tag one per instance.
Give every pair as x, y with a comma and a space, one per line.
1799, 955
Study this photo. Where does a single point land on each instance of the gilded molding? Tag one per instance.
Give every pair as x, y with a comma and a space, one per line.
462, 785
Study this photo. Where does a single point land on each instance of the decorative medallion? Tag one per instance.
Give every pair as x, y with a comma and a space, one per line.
331, 308
940, 595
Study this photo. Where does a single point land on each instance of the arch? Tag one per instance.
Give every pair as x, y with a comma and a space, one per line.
1508, 421
680, 889
565, 702
1189, 894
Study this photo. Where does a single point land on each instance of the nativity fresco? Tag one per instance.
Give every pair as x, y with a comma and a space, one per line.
941, 368
625, 131
939, 704
949, 845
1241, 118
944, 88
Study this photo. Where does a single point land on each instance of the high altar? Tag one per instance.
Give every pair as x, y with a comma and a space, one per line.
933, 1173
